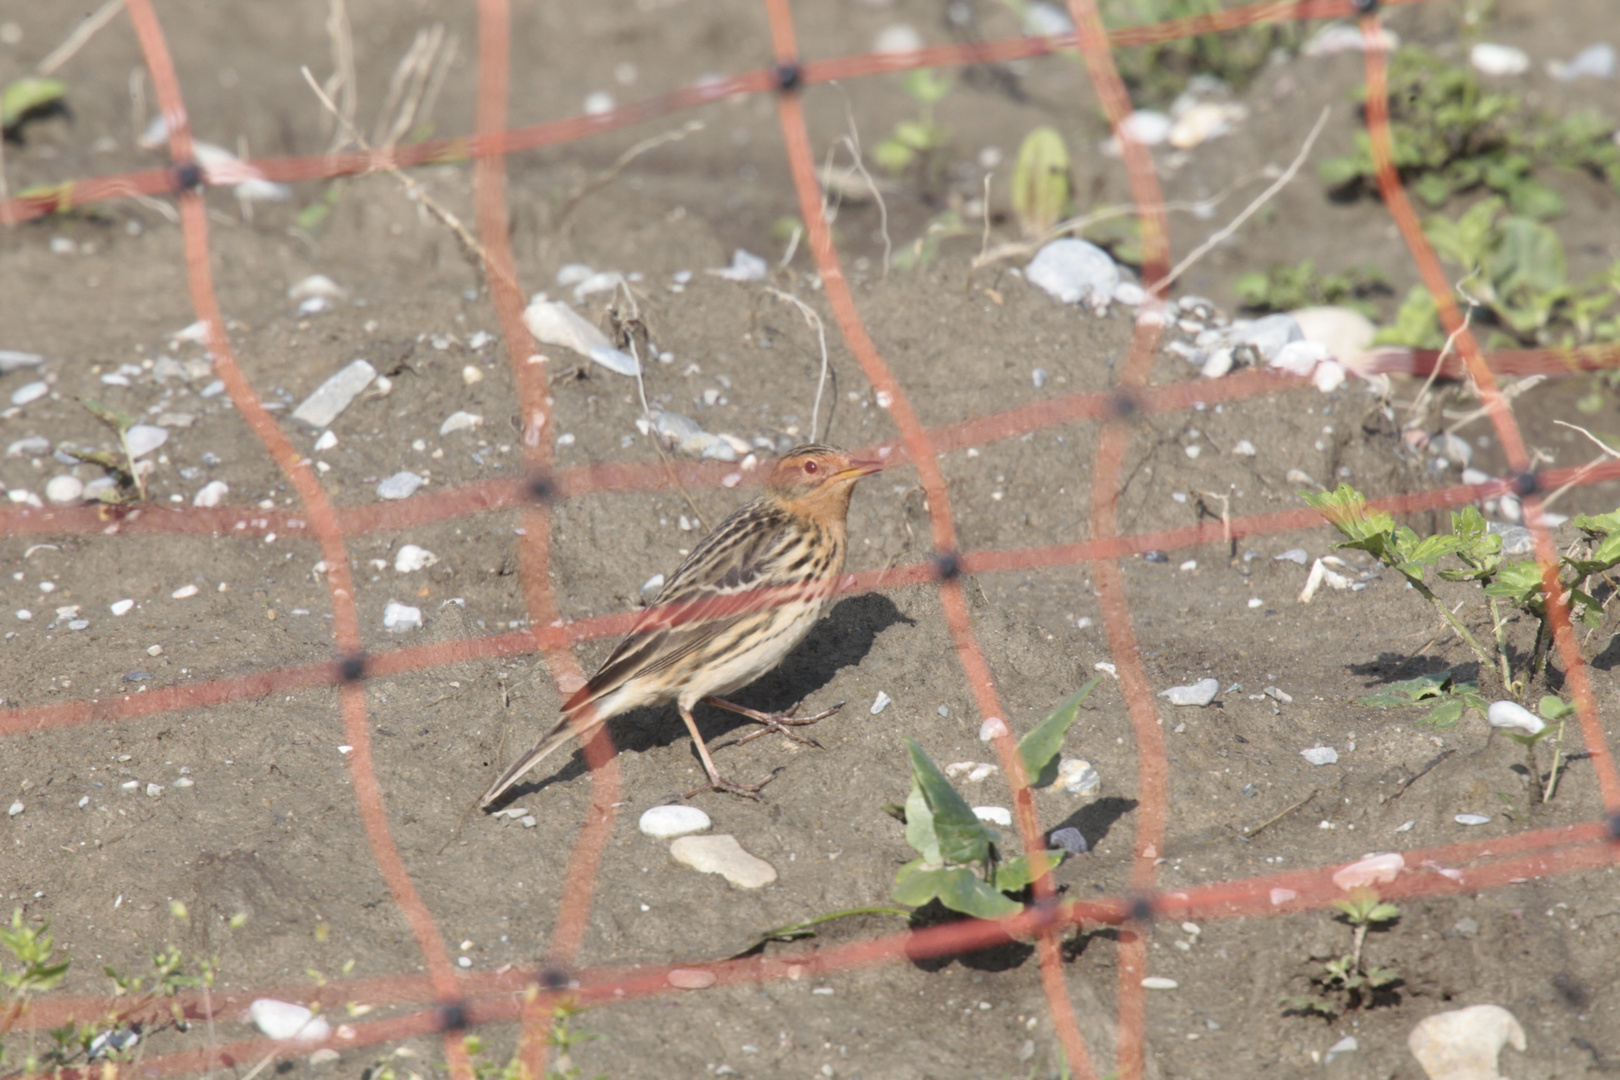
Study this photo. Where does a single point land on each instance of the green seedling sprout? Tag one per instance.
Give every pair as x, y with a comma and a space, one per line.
1040, 184
1452, 700
960, 865
1347, 978
123, 470
28, 97
915, 140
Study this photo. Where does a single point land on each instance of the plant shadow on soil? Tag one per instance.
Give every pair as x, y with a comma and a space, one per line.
840, 640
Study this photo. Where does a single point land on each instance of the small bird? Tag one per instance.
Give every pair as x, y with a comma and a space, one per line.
749, 592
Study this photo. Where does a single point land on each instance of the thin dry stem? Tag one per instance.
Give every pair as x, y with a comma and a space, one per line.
821, 336
607, 176
80, 36
341, 83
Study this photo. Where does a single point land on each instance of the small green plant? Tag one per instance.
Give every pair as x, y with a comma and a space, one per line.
563, 1038
27, 98
1346, 982
1479, 551
1040, 184
960, 865
1157, 73
1451, 699
917, 141
121, 467
1284, 288
36, 971
1449, 136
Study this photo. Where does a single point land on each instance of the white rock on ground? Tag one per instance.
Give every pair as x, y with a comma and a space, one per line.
211, 494
397, 617
721, 854
316, 285
334, 395
1501, 714
1320, 755
995, 815
64, 489
142, 439
412, 558
1076, 776
29, 392
553, 322
1597, 61
284, 1020
1074, 272
1489, 58
669, 822
402, 485
12, 360
460, 421
1201, 692
1465, 1044
745, 266
1372, 870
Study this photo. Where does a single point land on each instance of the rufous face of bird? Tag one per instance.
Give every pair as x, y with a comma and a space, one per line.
817, 480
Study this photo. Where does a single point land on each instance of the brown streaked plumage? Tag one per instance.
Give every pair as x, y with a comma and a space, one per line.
746, 595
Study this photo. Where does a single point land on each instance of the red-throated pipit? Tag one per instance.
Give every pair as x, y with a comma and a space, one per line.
748, 593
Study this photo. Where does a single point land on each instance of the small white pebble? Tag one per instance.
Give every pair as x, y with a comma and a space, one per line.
1190, 565
995, 815
84, 801
121, 607
993, 728
16, 808
183, 592
464, 961
1159, 982
154, 790
668, 822
1472, 819
1256, 602
184, 782
881, 702
154, 650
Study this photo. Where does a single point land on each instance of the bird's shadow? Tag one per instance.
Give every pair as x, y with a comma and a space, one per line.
840, 640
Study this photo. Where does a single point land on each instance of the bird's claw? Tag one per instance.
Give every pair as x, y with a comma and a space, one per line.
780, 722
720, 783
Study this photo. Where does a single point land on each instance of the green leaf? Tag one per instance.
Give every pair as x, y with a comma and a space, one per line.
1384, 701
1015, 874
963, 838
916, 883
1534, 200
1519, 582
1041, 746
1444, 715
963, 890
26, 95
1346, 509
1529, 256
920, 826
1554, 708
1040, 183
927, 86
893, 156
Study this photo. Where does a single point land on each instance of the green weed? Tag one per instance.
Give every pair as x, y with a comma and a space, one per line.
1285, 288
1346, 982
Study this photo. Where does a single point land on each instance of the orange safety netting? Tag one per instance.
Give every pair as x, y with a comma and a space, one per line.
451, 1001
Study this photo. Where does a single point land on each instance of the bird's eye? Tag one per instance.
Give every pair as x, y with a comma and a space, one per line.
809, 466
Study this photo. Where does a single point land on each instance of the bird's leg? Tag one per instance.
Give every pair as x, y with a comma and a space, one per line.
716, 781
779, 721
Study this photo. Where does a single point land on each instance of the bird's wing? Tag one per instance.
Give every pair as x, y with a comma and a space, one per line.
699, 602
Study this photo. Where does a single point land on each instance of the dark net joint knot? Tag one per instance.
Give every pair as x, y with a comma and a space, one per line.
453, 1016
1613, 823
541, 489
1526, 483
788, 76
554, 979
1141, 909
947, 565
186, 176
1123, 406
352, 668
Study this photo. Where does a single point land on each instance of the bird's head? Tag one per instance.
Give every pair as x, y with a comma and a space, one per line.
816, 479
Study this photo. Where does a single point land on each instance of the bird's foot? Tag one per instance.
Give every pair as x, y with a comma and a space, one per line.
720, 783
777, 722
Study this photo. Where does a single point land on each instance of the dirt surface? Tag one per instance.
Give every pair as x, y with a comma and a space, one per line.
267, 827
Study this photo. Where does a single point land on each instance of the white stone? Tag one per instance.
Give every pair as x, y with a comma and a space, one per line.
316, 285
668, 822
412, 558
995, 815
398, 618
211, 494
745, 266
604, 281
1201, 692
327, 440
1159, 982
1464, 1044
598, 102
1074, 272
29, 447
1329, 376
553, 322
154, 790
283, 1020
993, 728
1369, 871
64, 489
183, 592
880, 703
402, 485
1346, 333
1597, 61
122, 607
142, 439
1471, 819
1512, 715
1076, 776
1218, 364
721, 854
15, 809
1294, 555
12, 360
573, 274
651, 586
1244, 448
1489, 58
334, 395
1343, 1046
1347, 37
460, 421
29, 392
1320, 755
1299, 357
898, 38
1146, 126
1266, 335
1204, 121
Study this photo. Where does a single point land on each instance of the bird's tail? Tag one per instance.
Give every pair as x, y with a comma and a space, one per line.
561, 733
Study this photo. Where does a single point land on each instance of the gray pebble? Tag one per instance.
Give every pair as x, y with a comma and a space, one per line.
332, 397
402, 485
1199, 693
1069, 840
1294, 555
1074, 272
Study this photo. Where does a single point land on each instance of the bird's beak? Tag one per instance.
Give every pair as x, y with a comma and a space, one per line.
858, 469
